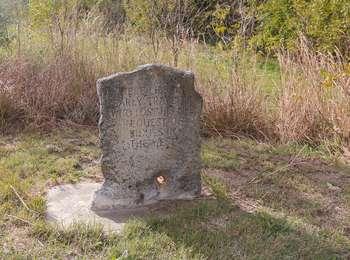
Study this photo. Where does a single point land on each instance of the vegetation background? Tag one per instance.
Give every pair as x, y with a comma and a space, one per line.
275, 78
267, 69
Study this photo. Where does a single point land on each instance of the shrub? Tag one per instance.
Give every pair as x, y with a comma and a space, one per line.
212, 21
325, 23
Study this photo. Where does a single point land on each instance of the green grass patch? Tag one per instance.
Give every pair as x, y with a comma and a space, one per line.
293, 220
214, 157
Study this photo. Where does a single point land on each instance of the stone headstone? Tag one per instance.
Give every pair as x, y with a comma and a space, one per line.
150, 137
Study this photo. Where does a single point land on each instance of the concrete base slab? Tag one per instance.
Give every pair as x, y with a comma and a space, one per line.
69, 204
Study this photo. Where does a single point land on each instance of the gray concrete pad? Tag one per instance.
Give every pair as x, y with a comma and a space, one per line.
69, 204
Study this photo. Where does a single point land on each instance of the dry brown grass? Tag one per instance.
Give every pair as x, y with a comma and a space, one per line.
237, 108
314, 102
64, 89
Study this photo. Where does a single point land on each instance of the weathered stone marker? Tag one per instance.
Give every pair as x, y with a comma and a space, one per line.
150, 137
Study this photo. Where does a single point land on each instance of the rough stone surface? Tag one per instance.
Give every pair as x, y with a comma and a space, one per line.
150, 137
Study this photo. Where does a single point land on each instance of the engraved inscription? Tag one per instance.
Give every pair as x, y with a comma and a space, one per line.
149, 120
149, 128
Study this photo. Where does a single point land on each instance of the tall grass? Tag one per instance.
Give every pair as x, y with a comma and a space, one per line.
63, 89
314, 103
47, 84
238, 105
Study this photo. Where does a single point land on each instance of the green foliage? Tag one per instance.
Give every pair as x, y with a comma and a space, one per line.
138, 13
170, 17
278, 25
223, 21
324, 23
112, 10
45, 12
212, 21
268, 25
328, 24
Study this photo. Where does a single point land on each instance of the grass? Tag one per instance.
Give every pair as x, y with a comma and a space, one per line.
301, 97
219, 158
272, 202
48, 87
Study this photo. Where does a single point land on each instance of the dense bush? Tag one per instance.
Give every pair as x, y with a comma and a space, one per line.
324, 23
212, 21
265, 25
